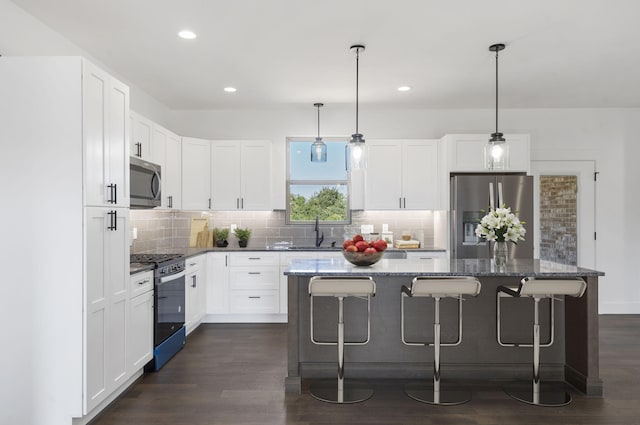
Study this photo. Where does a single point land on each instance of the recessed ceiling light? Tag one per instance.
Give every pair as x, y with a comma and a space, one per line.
187, 34
230, 89
404, 88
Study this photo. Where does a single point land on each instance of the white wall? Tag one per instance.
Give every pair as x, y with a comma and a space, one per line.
607, 136
23, 35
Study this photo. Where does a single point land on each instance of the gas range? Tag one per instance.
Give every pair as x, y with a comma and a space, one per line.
169, 334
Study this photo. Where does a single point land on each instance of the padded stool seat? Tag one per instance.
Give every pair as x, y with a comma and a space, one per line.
340, 287
537, 289
437, 288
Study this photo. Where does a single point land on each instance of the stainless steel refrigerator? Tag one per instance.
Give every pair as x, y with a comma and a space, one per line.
473, 193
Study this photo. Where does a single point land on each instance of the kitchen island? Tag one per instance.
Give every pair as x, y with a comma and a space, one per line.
573, 357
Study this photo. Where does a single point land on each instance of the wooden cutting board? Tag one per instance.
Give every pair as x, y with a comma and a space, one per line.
198, 224
202, 240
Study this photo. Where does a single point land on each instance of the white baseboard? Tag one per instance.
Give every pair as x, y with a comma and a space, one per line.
100, 407
245, 318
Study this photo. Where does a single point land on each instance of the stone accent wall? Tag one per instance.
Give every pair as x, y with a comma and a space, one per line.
558, 219
162, 231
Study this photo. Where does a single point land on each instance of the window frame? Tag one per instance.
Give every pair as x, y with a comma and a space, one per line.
290, 182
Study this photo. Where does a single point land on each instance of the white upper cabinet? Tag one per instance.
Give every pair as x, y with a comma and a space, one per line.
241, 175
167, 152
402, 174
173, 172
465, 152
141, 136
196, 178
105, 108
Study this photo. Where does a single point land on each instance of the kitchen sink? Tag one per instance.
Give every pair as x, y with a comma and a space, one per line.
313, 248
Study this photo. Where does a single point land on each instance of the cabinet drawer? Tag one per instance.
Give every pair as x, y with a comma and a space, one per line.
255, 258
140, 283
254, 278
194, 264
254, 302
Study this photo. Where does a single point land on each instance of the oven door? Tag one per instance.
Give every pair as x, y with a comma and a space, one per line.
169, 306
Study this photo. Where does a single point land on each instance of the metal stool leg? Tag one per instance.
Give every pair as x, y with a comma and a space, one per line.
534, 396
432, 394
342, 393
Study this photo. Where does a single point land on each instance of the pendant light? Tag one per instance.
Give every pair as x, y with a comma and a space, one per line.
356, 144
496, 152
318, 148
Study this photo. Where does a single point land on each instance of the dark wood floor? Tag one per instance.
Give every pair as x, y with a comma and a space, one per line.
233, 375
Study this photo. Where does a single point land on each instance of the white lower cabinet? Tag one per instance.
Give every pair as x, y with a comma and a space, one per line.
140, 328
195, 292
217, 291
107, 302
254, 283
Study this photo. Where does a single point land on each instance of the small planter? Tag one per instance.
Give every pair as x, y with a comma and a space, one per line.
243, 236
221, 243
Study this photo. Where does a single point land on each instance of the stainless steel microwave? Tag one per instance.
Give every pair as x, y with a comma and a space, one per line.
145, 183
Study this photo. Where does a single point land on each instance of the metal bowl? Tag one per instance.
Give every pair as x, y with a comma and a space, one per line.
362, 259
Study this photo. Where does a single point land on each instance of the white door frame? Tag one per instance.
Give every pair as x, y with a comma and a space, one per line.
586, 196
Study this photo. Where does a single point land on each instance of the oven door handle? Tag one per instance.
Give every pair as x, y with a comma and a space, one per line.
172, 277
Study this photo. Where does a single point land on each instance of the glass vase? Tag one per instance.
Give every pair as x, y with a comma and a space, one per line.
500, 254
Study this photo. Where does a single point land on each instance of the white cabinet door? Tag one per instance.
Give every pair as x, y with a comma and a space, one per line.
105, 108
172, 183
195, 284
466, 152
217, 291
196, 160
241, 175
255, 194
107, 302
420, 189
383, 179
141, 137
402, 175
225, 175
140, 336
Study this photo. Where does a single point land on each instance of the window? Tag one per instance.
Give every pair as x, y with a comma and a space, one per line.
317, 188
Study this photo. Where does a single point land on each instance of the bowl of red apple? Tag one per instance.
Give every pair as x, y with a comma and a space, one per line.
360, 252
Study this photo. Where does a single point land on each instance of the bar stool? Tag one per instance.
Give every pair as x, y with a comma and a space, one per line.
437, 288
537, 289
341, 287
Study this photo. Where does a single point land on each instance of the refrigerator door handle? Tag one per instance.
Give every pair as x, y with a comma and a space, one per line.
491, 197
500, 202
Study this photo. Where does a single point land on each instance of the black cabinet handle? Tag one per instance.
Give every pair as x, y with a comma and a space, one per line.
254, 297
209, 203
113, 220
139, 150
242, 203
170, 201
194, 284
405, 202
111, 199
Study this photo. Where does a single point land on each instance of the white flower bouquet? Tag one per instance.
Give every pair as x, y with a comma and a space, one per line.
501, 225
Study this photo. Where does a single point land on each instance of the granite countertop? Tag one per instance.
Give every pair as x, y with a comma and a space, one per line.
436, 267
192, 252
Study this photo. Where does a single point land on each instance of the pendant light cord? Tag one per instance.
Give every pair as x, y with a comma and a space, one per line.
497, 50
318, 121
357, 83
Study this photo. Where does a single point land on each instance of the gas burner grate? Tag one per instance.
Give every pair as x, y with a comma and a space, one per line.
153, 258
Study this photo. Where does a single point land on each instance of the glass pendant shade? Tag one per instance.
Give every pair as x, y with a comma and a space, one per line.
318, 151
496, 155
318, 148
357, 153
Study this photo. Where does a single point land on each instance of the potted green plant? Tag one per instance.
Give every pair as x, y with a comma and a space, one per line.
243, 236
221, 236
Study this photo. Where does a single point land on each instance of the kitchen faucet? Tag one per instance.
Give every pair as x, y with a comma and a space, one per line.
319, 238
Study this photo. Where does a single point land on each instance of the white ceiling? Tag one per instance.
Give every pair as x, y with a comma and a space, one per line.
560, 53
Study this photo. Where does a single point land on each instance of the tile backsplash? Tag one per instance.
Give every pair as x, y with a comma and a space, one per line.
162, 231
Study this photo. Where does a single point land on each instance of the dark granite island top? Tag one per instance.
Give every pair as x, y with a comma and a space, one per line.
574, 356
